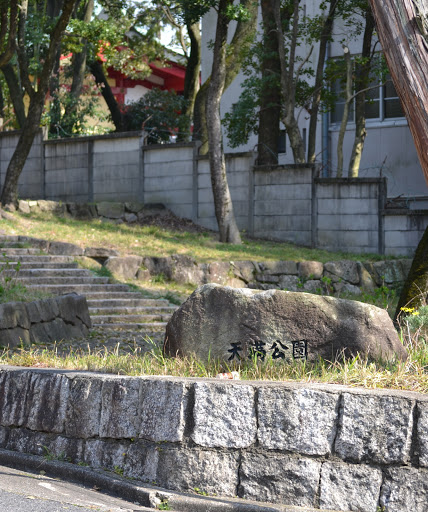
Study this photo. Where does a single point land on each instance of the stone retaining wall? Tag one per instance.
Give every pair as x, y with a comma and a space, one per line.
323, 446
41, 321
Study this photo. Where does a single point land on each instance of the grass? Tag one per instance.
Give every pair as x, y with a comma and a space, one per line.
156, 241
408, 375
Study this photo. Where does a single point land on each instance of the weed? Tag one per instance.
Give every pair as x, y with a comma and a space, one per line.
164, 505
198, 491
118, 470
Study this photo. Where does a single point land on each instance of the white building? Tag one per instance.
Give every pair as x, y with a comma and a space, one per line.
389, 149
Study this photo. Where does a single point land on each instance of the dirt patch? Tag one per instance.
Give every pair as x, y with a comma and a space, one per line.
164, 218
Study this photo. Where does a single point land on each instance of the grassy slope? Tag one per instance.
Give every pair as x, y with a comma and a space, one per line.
155, 241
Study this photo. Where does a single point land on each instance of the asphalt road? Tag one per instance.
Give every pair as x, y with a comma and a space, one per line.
31, 492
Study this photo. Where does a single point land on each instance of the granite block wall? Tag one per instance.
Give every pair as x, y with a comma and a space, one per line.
321, 446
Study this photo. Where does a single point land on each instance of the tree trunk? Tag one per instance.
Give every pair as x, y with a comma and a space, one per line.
241, 41
406, 52
97, 70
9, 195
362, 82
192, 79
319, 75
270, 100
288, 79
79, 72
222, 200
345, 117
15, 93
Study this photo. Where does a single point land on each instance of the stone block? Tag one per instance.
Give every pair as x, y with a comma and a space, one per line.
210, 471
310, 269
163, 410
266, 278
23, 206
350, 487
14, 314
405, 490
375, 428
120, 411
142, 462
422, 433
279, 479
345, 270
73, 309
279, 267
84, 407
110, 210
218, 272
289, 283
125, 267
101, 453
64, 248
100, 252
224, 415
297, 420
244, 270
14, 386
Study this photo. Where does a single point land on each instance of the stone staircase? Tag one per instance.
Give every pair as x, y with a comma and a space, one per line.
117, 312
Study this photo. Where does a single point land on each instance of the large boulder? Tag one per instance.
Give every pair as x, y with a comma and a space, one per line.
231, 324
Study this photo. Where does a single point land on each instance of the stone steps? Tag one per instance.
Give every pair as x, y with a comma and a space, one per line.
28, 265
39, 258
126, 303
142, 310
117, 312
157, 327
45, 273
82, 280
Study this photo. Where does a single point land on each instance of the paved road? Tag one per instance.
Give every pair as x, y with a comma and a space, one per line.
30, 492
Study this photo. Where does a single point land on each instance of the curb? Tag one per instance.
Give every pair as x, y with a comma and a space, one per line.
147, 496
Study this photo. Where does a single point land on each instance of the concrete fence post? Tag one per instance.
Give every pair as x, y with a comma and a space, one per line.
382, 194
195, 182
141, 173
90, 171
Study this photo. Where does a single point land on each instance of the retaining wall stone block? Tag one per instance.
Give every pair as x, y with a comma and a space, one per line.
125, 267
64, 248
120, 411
105, 454
342, 271
245, 270
211, 471
279, 267
224, 415
13, 386
84, 407
13, 314
422, 433
375, 428
110, 210
279, 478
350, 487
301, 420
142, 461
311, 269
46, 402
163, 409
289, 283
405, 490
72, 308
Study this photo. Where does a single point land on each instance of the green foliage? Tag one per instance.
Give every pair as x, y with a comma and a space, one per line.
159, 113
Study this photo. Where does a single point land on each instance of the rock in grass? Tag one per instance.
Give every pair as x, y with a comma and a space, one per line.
233, 324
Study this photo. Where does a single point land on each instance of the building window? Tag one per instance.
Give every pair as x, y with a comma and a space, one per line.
282, 148
382, 101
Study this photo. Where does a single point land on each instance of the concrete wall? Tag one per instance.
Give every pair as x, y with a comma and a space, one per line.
31, 181
282, 202
348, 214
322, 446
